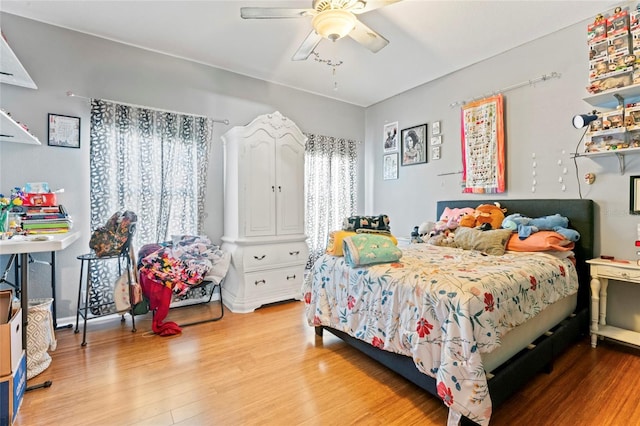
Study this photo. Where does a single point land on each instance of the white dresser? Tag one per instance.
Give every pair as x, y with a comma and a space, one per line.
264, 212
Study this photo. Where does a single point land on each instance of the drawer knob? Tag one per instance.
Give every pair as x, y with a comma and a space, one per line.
294, 253
291, 277
260, 257
260, 282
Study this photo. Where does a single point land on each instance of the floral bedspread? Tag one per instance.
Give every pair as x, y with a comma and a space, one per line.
442, 306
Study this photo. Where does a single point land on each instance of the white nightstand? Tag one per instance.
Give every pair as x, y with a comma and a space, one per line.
601, 271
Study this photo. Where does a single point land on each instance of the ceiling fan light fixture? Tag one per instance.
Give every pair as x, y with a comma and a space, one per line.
333, 24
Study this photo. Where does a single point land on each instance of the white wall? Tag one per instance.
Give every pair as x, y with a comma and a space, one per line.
59, 60
538, 120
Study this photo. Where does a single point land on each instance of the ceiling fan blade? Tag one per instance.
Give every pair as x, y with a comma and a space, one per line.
363, 6
307, 46
273, 13
367, 37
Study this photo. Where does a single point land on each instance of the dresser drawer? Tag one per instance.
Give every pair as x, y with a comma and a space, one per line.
618, 273
261, 256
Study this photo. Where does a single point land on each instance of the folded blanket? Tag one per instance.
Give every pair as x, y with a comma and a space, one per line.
334, 247
369, 249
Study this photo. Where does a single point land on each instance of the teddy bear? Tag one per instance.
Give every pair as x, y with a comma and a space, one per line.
491, 214
525, 226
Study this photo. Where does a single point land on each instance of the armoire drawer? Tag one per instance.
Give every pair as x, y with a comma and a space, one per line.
274, 282
260, 256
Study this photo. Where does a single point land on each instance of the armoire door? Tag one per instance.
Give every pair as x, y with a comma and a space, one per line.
260, 185
289, 185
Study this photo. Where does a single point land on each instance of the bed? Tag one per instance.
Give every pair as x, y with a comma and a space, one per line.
443, 337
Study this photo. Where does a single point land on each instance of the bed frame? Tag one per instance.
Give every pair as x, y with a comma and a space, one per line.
513, 374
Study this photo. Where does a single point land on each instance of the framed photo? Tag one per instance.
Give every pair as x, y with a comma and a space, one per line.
390, 167
435, 152
634, 195
435, 128
391, 137
414, 150
436, 140
64, 131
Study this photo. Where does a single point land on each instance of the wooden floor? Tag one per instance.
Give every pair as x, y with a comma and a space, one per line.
268, 367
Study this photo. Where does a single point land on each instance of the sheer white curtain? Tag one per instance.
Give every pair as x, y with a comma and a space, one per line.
330, 188
153, 163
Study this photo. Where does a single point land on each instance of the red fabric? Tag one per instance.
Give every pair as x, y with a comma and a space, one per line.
159, 297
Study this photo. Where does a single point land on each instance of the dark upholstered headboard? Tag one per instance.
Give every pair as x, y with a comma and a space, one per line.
581, 218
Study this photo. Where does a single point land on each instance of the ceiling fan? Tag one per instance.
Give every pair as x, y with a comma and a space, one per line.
332, 19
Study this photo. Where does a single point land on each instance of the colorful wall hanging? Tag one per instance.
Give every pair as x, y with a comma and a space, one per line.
483, 146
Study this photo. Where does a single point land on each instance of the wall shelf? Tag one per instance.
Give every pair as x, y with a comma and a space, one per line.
608, 98
620, 153
10, 131
11, 70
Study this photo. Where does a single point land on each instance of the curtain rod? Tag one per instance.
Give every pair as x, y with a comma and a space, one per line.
543, 77
225, 121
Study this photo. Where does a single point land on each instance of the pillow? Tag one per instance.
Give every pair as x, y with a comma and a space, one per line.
491, 242
540, 241
334, 247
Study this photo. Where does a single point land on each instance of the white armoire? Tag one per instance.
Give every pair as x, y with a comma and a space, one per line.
264, 212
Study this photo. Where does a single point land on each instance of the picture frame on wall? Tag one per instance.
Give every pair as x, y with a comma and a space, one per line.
414, 150
391, 137
436, 140
634, 195
63, 131
435, 128
435, 152
390, 166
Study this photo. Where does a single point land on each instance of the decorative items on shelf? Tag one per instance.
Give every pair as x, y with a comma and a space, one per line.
618, 129
614, 47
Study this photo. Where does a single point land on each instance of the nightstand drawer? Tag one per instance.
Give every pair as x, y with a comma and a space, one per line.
618, 273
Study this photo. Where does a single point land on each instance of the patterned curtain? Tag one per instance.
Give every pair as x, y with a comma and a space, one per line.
153, 163
330, 188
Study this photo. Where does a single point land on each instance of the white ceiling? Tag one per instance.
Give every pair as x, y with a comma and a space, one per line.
428, 39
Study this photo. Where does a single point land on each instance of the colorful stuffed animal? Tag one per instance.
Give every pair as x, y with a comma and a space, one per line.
450, 219
491, 214
525, 226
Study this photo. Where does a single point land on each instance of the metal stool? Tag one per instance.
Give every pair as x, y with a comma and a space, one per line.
84, 308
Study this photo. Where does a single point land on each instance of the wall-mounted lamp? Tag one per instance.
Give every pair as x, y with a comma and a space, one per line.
582, 120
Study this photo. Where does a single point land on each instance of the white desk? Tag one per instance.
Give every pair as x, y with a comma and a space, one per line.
24, 248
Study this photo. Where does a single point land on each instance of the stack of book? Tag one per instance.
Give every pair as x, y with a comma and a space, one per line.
46, 220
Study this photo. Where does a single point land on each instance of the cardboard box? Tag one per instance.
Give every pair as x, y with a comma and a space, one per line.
12, 390
597, 31
632, 117
11, 343
619, 45
618, 24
